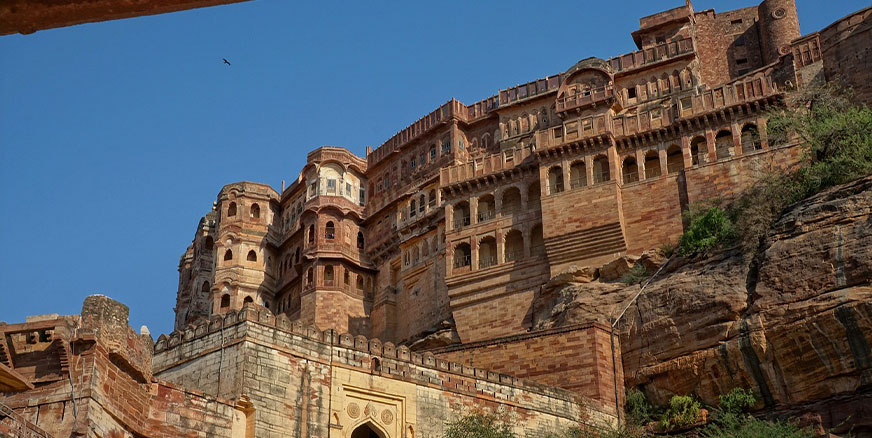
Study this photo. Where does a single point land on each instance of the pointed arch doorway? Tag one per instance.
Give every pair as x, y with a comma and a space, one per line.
367, 431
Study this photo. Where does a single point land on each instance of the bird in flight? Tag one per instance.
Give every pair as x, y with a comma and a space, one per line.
226, 61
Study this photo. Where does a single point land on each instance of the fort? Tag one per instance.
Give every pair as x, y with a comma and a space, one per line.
377, 295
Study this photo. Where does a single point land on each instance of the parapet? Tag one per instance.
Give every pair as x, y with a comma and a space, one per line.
394, 361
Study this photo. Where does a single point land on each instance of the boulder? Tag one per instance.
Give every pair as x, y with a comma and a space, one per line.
615, 269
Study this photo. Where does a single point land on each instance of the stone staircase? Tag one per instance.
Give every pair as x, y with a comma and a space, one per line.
13, 425
588, 244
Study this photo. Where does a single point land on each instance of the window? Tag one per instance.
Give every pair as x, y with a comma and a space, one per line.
231, 209
461, 145
652, 164
751, 138
328, 275
310, 276
422, 158
487, 252
577, 175
674, 159
738, 21
462, 255
631, 93
432, 153
514, 248
421, 203
414, 163
330, 231
360, 240
205, 287
723, 144
412, 208
252, 256
698, 150
228, 255
312, 189
555, 180
225, 301
601, 169
247, 300
741, 61
331, 186
630, 170
362, 196
359, 282
346, 278
349, 189
255, 211
486, 208
446, 145
311, 233
432, 201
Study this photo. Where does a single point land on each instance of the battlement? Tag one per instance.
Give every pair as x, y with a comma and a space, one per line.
451, 109
398, 362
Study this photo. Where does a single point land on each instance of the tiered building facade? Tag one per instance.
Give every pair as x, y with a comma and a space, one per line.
465, 213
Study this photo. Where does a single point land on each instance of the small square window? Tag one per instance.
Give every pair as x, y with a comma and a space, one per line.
741, 61
737, 21
631, 93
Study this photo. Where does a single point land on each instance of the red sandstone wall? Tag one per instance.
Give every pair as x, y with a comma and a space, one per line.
575, 358
847, 52
579, 226
652, 213
716, 38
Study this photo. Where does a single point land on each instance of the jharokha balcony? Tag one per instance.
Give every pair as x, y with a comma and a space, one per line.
747, 90
587, 98
488, 165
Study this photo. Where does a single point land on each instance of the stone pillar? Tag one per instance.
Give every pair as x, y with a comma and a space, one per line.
710, 146
763, 132
685, 152
588, 169
473, 253
662, 157
737, 139
501, 245
640, 164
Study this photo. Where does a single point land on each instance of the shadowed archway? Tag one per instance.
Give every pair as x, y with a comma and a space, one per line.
366, 431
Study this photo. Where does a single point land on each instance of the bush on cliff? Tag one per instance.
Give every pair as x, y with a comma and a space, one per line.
733, 421
708, 227
836, 136
683, 411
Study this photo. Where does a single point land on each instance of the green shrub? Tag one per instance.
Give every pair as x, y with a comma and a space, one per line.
746, 426
667, 249
737, 401
635, 275
683, 410
479, 425
639, 409
708, 227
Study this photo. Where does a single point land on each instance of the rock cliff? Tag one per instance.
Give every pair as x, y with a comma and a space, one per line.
795, 324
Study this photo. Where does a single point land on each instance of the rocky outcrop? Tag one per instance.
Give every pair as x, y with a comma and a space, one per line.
795, 324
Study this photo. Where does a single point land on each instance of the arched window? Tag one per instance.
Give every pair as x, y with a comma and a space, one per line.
698, 150
511, 201
346, 277
432, 201
422, 202
247, 300
231, 209
462, 255
328, 275
630, 170
329, 231
360, 282
751, 138
252, 256
225, 301
461, 215
310, 276
208, 244
416, 255
514, 247
674, 159
487, 252
312, 233
534, 192
228, 255
360, 241
723, 144
652, 164
204, 287
555, 180
601, 169
255, 211
537, 242
412, 208
577, 175
486, 208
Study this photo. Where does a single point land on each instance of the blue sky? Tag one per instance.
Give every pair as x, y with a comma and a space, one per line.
116, 137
